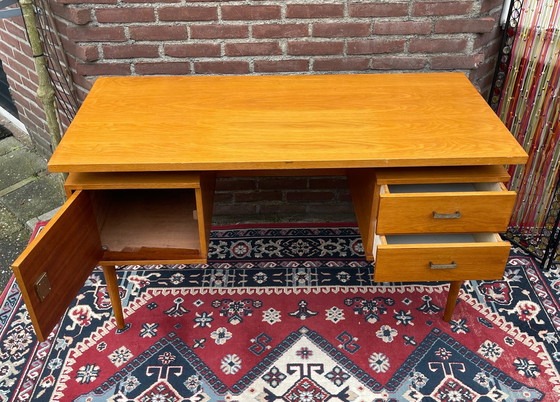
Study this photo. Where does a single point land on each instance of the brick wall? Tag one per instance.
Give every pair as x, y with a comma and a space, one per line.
19, 67
134, 37
146, 37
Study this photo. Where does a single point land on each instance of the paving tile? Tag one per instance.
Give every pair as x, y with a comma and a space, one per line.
35, 198
8, 145
19, 165
9, 223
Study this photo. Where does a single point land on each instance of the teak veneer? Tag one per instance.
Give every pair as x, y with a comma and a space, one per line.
143, 155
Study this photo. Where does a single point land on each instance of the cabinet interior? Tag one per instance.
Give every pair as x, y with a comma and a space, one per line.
140, 221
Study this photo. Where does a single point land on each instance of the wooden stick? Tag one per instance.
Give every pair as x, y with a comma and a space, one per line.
454, 288
113, 289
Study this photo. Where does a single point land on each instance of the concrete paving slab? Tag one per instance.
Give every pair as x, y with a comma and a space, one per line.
35, 199
47, 216
19, 165
9, 223
8, 145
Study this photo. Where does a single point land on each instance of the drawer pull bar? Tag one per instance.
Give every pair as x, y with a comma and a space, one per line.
455, 215
443, 266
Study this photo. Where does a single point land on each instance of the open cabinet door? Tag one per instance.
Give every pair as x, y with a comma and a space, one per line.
54, 267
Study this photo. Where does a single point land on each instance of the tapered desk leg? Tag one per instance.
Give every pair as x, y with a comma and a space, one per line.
454, 288
113, 289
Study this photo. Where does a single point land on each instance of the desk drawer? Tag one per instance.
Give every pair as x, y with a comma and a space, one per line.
449, 257
444, 208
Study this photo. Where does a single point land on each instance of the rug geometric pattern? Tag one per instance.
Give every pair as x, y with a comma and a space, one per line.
290, 314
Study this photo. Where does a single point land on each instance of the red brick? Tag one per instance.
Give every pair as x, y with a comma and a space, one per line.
151, 1
158, 32
130, 51
185, 13
329, 182
309, 196
484, 39
314, 10
485, 69
487, 5
375, 9
235, 184
103, 69
398, 63
308, 48
431, 45
193, 50
96, 34
109, 15
216, 31
20, 100
232, 210
274, 66
253, 49
222, 198
14, 26
282, 182
466, 62
12, 42
439, 8
86, 52
280, 31
221, 67
254, 196
375, 46
167, 67
250, 12
5, 50
341, 29
472, 25
277, 209
78, 16
87, 1
402, 27
343, 64
13, 75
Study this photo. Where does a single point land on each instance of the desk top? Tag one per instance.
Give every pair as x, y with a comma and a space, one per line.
283, 122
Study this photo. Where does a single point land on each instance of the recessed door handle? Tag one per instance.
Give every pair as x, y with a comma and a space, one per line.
455, 215
443, 266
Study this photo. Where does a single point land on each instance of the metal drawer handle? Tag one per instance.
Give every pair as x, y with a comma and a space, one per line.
443, 266
455, 215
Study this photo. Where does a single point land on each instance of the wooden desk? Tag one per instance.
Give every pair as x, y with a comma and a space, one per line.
136, 140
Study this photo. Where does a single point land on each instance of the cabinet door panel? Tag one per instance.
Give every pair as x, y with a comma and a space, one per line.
55, 265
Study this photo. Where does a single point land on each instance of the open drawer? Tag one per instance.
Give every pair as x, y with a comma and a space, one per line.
444, 208
449, 257
120, 224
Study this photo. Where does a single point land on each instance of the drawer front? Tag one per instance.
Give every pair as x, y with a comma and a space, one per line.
440, 262
479, 211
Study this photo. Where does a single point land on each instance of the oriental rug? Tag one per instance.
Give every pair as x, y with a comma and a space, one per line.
289, 313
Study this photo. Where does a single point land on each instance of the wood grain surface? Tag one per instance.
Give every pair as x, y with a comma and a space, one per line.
283, 122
